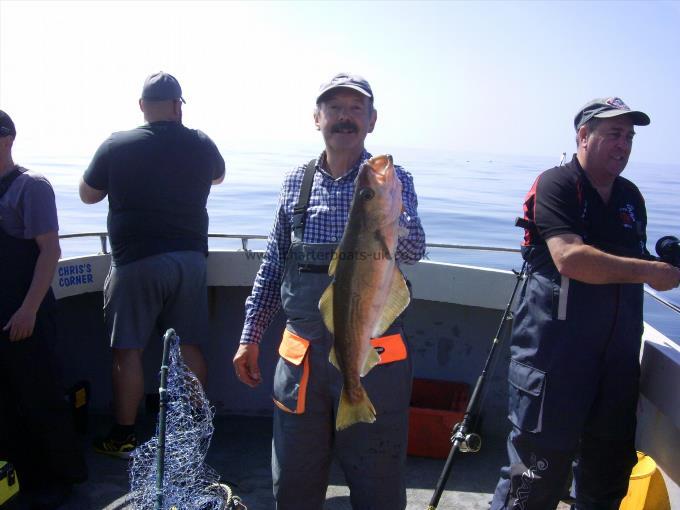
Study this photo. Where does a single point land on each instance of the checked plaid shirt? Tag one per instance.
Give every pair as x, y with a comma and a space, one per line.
327, 215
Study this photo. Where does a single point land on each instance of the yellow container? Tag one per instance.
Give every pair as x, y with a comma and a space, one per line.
639, 483
9, 484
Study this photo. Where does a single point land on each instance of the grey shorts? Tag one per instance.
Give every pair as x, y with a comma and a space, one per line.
150, 295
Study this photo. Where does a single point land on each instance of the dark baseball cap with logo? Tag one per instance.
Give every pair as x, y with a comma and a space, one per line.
6, 125
607, 107
162, 87
347, 81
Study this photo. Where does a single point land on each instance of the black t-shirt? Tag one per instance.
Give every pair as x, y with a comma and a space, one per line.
158, 178
562, 201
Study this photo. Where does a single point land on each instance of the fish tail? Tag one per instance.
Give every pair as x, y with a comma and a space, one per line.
350, 412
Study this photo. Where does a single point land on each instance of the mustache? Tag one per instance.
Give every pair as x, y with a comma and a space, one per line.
344, 125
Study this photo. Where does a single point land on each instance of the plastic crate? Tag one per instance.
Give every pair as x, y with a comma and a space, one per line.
436, 406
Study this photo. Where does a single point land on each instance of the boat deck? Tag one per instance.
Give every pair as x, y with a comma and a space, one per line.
454, 313
241, 452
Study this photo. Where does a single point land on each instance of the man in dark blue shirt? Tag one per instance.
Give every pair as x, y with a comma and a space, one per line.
157, 178
577, 329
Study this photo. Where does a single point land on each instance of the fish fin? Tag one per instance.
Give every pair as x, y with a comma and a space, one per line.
326, 307
397, 300
333, 358
372, 360
333, 265
350, 413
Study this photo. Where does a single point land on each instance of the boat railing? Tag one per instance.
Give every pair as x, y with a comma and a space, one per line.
472, 247
103, 238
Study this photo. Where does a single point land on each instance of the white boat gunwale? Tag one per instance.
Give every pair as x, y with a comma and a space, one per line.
465, 285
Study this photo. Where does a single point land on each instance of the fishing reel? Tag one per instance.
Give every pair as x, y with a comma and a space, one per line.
668, 250
467, 442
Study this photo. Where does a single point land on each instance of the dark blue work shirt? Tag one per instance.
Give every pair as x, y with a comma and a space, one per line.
158, 178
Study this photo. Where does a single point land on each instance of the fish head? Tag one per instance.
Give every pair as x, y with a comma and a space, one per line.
378, 189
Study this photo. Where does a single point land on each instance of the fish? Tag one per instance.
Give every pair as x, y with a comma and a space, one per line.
368, 291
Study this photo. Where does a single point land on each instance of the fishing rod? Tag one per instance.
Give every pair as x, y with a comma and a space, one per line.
461, 438
162, 410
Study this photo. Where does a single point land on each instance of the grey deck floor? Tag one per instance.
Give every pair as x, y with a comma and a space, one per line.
241, 452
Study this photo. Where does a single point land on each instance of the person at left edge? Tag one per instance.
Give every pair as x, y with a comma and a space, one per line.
157, 178
309, 223
36, 426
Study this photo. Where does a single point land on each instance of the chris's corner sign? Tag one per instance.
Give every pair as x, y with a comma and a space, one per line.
69, 275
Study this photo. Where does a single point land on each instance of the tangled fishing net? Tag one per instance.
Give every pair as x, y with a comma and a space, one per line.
188, 482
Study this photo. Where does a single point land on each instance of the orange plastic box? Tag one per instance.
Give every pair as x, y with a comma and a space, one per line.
436, 406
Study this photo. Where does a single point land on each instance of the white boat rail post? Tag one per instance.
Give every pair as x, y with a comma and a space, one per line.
103, 238
462, 439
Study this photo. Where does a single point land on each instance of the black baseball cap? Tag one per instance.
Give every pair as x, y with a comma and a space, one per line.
607, 107
6, 125
348, 81
162, 87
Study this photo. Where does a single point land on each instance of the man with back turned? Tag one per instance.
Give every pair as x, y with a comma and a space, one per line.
577, 330
157, 178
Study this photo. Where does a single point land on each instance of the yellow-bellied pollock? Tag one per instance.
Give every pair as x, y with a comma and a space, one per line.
368, 291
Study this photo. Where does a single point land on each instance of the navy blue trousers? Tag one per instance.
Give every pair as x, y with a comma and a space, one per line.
574, 377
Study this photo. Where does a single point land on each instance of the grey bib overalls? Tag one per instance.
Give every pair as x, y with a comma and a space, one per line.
307, 389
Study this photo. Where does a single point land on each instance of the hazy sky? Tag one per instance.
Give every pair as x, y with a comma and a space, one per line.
491, 77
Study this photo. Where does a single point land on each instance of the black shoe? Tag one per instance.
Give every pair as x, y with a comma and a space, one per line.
120, 448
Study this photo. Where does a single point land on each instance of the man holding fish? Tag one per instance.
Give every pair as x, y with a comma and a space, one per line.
343, 381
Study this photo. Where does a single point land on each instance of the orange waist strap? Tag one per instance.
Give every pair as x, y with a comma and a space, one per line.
390, 348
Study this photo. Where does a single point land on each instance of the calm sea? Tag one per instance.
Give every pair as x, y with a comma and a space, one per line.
464, 199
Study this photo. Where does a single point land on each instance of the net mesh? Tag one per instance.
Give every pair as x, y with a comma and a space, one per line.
188, 483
